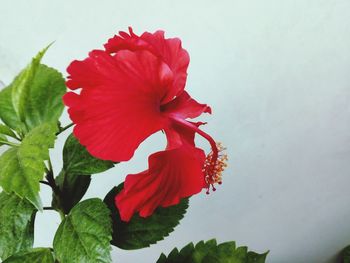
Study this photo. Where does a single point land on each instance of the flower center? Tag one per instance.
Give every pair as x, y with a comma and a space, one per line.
213, 167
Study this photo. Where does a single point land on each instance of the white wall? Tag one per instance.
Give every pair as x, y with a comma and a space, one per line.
276, 74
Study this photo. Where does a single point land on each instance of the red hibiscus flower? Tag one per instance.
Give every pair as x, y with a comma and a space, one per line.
130, 90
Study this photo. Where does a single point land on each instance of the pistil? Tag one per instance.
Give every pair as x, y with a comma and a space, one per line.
213, 168
216, 160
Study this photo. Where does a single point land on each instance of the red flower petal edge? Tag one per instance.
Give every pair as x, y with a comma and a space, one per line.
172, 175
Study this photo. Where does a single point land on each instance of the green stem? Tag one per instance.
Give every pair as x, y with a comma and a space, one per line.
9, 143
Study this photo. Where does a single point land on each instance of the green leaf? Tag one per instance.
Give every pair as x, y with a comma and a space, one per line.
141, 232
7, 131
45, 100
35, 255
16, 224
210, 252
77, 160
72, 189
21, 168
33, 98
85, 234
22, 84
7, 112
75, 177
346, 255
256, 258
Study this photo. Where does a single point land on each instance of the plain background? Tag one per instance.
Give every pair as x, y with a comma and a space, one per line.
276, 74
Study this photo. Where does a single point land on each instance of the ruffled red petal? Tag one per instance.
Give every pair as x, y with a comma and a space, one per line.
184, 107
128, 41
118, 106
169, 50
172, 175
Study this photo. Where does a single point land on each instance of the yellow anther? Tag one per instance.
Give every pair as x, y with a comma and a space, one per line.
213, 167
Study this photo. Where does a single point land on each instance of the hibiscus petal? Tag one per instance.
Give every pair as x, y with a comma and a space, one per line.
169, 50
172, 175
185, 107
174, 55
118, 106
127, 41
178, 135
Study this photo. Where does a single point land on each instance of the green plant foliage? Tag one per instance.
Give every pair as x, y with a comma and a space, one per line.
7, 112
77, 160
3, 139
23, 167
4, 130
210, 252
85, 234
75, 177
16, 224
22, 84
33, 98
45, 100
141, 232
72, 189
35, 255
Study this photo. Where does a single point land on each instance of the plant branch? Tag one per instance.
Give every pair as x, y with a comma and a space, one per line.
44, 182
52, 183
51, 180
50, 166
62, 129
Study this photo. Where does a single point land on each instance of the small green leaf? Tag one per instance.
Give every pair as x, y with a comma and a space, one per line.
35, 255
22, 84
16, 224
23, 167
72, 189
7, 131
33, 98
77, 160
85, 234
141, 232
210, 252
